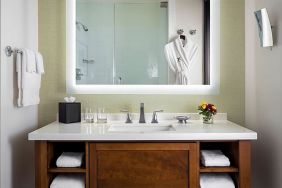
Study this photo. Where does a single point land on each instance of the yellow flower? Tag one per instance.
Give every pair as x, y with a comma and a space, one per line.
204, 106
204, 103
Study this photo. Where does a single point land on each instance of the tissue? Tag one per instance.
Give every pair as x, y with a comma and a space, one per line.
69, 99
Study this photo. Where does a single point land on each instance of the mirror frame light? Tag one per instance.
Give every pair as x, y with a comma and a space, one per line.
213, 88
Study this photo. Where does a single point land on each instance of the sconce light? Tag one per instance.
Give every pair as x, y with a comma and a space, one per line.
264, 27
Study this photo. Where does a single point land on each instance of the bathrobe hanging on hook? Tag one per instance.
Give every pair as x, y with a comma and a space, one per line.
180, 56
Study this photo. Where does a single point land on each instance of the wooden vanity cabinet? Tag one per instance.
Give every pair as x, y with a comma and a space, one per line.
142, 165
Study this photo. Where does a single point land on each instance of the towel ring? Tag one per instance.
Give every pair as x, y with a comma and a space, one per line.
9, 51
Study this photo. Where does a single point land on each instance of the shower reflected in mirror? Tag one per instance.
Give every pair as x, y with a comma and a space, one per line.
136, 42
81, 25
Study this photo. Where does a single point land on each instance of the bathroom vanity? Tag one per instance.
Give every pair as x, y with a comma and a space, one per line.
160, 155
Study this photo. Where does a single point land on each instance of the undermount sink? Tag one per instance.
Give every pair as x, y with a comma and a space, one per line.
140, 128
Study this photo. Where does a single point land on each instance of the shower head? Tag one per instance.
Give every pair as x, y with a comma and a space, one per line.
84, 27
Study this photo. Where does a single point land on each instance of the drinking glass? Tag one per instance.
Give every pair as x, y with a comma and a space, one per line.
101, 115
89, 115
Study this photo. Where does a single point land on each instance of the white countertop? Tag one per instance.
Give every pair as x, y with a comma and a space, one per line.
193, 130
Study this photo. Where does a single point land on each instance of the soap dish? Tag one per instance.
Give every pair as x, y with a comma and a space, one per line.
182, 119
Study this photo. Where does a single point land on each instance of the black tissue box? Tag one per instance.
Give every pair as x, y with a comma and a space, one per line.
69, 112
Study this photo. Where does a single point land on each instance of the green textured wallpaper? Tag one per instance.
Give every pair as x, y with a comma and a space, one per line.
232, 90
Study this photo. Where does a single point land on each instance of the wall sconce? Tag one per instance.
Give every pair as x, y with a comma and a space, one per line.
264, 27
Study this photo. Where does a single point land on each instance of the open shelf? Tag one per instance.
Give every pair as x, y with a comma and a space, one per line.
55, 149
218, 169
229, 149
67, 170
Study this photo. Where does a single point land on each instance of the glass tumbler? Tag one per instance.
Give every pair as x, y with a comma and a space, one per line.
89, 115
101, 115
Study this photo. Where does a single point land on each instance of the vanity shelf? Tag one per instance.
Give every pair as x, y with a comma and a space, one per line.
55, 149
47, 154
67, 170
229, 149
219, 169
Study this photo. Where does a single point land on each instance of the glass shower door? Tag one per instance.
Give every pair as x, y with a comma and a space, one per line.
140, 36
95, 56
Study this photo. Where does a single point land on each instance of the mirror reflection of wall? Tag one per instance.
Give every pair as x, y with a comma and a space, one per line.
189, 16
123, 42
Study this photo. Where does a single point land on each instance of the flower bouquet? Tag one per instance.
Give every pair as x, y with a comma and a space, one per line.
207, 111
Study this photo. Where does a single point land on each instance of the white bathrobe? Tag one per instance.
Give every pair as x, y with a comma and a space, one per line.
180, 58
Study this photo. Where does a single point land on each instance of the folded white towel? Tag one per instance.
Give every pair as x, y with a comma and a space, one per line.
39, 63
29, 83
216, 181
30, 60
70, 159
19, 77
68, 181
214, 158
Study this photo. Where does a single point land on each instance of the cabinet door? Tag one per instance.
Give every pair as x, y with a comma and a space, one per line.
146, 165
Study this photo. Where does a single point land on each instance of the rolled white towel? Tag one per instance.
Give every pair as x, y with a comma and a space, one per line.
39, 63
68, 181
214, 158
70, 159
216, 181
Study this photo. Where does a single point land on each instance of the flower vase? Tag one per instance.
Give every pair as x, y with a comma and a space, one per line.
208, 119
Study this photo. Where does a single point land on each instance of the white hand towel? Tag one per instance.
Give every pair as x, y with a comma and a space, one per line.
39, 63
216, 181
68, 181
214, 158
19, 78
30, 60
70, 159
31, 82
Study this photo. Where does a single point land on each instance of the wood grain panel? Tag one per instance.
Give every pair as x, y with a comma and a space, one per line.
150, 169
87, 165
194, 157
244, 164
67, 170
143, 146
219, 169
41, 176
92, 165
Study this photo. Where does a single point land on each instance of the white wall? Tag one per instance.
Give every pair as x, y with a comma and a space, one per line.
264, 95
19, 29
189, 15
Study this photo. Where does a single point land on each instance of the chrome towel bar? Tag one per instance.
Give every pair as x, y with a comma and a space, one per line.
9, 51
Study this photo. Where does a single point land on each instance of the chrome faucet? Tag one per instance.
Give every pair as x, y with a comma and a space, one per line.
155, 118
128, 116
142, 114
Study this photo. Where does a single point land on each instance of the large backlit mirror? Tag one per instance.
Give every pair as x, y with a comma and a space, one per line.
143, 46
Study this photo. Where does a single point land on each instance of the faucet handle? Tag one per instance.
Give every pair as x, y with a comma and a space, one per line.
155, 118
128, 116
